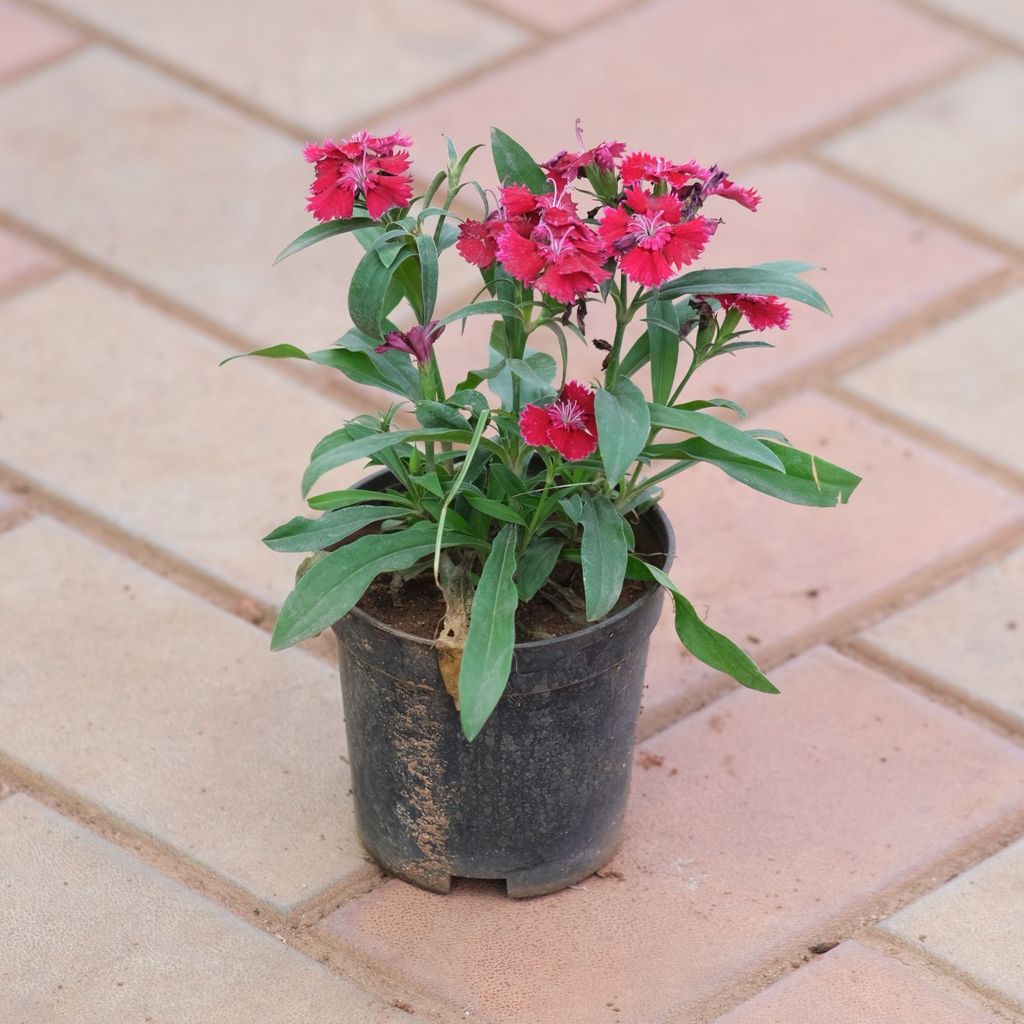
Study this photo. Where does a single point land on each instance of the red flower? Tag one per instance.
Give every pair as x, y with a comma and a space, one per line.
565, 167
371, 166
548, 247
478, 240
760, 311
639, 167
567, 424
651, 236
417, 341
717, 183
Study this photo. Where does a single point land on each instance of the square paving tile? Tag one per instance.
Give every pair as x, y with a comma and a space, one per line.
125, 411
975, 923
765, 818
195, 200
644, 77
854, 985
326, 66
961, 380
970, 636
921, 146
770, 574
93, 936
173, 716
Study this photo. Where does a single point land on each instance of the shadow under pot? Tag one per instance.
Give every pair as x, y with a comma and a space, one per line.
538, 798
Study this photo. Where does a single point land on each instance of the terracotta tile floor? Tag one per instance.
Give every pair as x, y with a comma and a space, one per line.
150, 168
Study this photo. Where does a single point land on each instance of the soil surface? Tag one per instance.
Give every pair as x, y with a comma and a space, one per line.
417, 606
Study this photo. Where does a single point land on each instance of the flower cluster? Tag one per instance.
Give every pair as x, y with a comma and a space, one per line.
515, 471
649, 224
372, 168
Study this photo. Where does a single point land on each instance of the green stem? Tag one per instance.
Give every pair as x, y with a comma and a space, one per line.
536, 519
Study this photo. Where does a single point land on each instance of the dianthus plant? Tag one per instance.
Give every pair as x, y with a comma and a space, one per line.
500, 480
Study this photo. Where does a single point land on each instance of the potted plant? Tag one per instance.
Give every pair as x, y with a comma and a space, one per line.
494, 584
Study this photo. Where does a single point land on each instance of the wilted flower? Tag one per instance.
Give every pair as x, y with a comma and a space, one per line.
417, 341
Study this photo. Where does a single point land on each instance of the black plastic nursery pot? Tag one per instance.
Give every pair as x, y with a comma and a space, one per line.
538, 798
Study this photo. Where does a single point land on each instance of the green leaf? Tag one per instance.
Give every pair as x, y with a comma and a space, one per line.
321, 231
537, 370
487, 657
494, 509
536, 565
370, 295
514, 165
637, 357
331, 588
749, 280
623, 424
347, 451
393, 370
719, 433
788, 266
603, 555
330, 500
487, 306
437, 414
806, 480
663, 341
273, 352
715, 403
301, 534
427, 252
703, 642
430, 482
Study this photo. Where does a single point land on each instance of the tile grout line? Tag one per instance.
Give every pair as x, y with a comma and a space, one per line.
920, 210
954, 980
972, 708
170, 862
840, 626
963, 25
862, 919
337, 388
952, 450
179, 571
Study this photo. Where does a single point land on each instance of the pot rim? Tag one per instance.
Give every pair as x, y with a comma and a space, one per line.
654, 513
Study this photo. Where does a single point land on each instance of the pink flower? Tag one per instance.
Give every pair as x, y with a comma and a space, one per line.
567, 424
714, 182
548, 247
563, 168
417, 341
478, 241
651, 237
373, 167
760, 311
638, 167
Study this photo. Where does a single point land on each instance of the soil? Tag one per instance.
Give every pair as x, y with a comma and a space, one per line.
418, 607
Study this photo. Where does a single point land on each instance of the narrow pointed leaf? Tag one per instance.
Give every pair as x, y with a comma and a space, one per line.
537, 564
331, 588
723, 435
663, 341
623, 425
302, 534
603, 555
487, 657
749, 280
427, 252
514, 165
703, 642
321, 231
